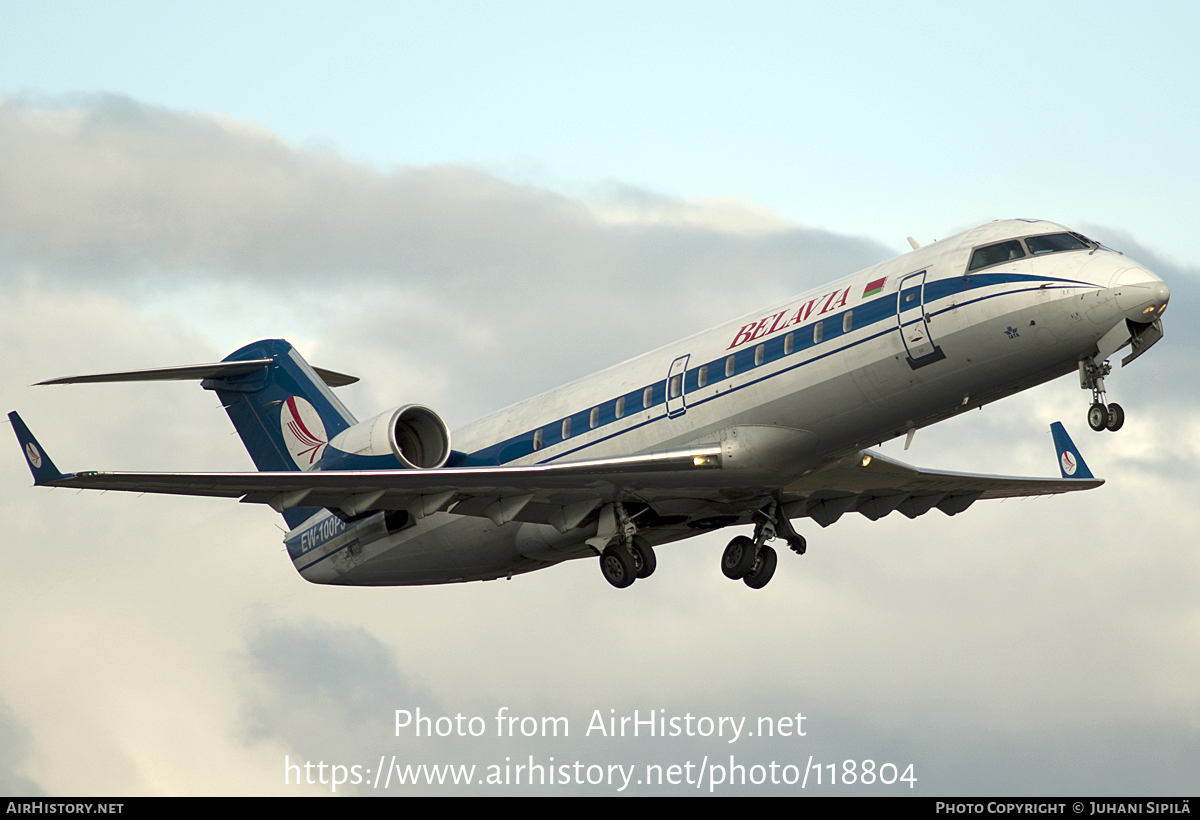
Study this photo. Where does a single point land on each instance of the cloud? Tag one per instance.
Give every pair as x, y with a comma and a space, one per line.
15, 747
144, 191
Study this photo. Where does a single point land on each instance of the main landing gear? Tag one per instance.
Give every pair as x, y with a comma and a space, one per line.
631, 557
750, 559
1101, 416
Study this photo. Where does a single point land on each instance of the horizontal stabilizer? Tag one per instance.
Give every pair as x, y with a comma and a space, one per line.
195, 372
43, 469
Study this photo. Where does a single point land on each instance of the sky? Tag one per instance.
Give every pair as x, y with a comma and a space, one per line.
465, 204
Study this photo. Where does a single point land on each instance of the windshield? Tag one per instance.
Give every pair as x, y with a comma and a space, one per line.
1055, 243
995, 254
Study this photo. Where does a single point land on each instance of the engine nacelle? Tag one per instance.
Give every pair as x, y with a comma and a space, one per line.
412, 434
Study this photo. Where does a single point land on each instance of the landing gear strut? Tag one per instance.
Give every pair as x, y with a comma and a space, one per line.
1101, 416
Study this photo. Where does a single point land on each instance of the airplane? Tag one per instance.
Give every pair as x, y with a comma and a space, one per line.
758, 421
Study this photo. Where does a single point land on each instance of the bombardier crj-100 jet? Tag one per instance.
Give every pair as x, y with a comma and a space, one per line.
761, 420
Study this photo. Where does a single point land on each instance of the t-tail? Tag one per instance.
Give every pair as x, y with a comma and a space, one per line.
281, 407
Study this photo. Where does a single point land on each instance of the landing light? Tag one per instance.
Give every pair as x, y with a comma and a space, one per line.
866, 460
1149, 309
705, 461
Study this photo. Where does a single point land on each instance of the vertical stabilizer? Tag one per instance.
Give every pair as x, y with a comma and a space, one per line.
284, 412
1070, 462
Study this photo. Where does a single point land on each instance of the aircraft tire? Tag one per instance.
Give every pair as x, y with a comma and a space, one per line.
1116, 418
644, 557
617, 566
764, 568
1097, 417
738, 558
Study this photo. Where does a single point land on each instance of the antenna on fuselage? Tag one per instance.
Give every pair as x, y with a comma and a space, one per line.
916, 246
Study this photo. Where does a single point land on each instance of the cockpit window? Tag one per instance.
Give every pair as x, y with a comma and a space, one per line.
1054, 243
995, 254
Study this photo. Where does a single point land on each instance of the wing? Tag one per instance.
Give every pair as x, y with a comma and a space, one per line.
560, 494
681, 491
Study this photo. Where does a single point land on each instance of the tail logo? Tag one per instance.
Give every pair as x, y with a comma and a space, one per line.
303, 432
1068, 462
35, 458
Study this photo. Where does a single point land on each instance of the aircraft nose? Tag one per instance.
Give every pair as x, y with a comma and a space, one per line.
1141, 295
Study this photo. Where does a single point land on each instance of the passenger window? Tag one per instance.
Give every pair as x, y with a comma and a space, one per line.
702, 376
729, 366
621, 407
594, 418
566, 431
818, 332
847, 321
789, 344
995, 254
537, 439
760, 353
648, 396
676, 384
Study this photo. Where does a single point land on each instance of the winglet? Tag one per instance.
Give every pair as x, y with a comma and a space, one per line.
43, 469
1069, 460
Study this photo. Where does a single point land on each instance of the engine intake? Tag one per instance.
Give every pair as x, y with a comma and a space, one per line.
413, 434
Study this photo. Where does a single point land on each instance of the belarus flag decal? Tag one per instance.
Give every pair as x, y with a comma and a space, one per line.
873, 287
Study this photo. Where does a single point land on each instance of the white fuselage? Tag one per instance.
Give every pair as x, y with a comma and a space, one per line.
929, 342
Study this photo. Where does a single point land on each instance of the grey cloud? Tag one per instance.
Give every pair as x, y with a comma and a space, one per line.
15, 747
140, 191
316, 681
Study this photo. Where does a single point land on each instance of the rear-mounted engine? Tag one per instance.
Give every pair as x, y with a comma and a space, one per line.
412, 434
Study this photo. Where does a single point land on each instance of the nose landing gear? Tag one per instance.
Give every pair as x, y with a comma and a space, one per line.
1106, 417
1100, 416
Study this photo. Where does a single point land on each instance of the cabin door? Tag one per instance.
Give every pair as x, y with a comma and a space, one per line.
676, 401
914, 321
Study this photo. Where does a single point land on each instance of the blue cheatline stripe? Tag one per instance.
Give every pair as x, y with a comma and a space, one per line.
866, 314
323, 557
